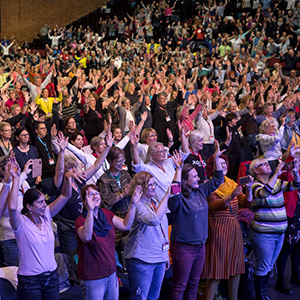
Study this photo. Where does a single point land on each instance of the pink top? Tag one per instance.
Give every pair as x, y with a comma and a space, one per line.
168, 12
36, 246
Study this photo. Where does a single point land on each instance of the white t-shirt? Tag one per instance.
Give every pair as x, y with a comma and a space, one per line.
36, 246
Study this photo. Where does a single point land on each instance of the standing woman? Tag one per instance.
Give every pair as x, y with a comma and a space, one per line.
24, 151
146, 262
190, 226
5, 138
224, 247
270, 220
93, 119
37, 275
95, 233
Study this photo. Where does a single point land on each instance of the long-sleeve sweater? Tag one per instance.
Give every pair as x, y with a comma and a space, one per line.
270, 144
268, 206
190, 215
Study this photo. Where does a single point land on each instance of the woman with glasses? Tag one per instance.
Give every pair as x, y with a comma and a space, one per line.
24, 151
73, 208
224, 258
114, 185
146, 262
270, 219
95, 233
5, 138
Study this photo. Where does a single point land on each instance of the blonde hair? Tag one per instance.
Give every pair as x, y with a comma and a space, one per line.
145, 133
69, 162
141, 178
152, 151
3, 124
254, 164
265, 126
195, 135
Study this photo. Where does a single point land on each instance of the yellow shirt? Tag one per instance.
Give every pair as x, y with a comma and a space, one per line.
295, 140
47, 104
3, 79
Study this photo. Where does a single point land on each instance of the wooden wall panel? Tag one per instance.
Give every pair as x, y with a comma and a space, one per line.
23, 18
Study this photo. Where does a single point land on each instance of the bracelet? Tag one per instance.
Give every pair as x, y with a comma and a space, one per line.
6, 183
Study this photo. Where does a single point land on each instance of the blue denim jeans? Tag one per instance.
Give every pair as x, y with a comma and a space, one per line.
145, 279
188, 261
101, 289
40, 287
10, 252
266, 249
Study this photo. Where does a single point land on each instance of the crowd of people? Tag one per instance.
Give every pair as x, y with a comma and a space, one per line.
133, 135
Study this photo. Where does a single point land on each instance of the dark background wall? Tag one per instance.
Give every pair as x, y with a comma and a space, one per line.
23, 18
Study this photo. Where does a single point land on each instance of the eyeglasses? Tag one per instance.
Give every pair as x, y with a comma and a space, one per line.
6, 130
120, 161
154, 184
43, 128
224, 164
24, 135
266, 163
94, 194
162, 151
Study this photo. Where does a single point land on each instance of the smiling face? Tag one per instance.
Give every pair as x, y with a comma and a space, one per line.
192, 181
198, 144
6, 132
151, 137
224, 166
38, 207
78, 142
117, 164
94, 195
117, 134
159, 155
149, 190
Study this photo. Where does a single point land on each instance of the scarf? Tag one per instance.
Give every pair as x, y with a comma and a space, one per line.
226, 188
101, 226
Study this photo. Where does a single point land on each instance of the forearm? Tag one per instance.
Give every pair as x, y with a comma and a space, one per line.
86, 231
3, 196
128, 220
59, 169
135, 154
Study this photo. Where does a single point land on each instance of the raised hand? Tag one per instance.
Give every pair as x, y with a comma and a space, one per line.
53, 131
144, 116
134, 138
169, 134
218, 153
91, 204
62, 141
26, 169
137, 194
109, 139
177, 159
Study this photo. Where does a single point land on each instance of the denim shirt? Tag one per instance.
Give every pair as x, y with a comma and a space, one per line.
288, 134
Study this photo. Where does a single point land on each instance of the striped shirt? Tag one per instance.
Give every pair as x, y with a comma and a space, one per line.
268, 206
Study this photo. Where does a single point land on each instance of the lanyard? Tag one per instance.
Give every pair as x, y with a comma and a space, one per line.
153, 207
6, 148
45, 145
200, 158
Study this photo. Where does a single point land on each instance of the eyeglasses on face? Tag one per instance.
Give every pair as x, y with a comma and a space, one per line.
266, 163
